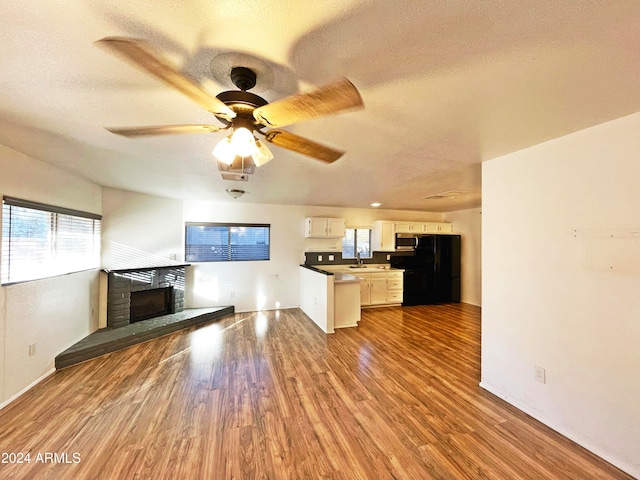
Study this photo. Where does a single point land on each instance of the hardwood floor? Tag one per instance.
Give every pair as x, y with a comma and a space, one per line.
268, 396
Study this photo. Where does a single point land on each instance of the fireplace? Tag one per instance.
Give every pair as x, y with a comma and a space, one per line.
137, 294
150, 303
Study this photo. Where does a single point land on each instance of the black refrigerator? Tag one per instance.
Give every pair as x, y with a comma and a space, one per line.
431, 271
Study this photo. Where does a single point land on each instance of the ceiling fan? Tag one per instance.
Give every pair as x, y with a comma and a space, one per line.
241, 111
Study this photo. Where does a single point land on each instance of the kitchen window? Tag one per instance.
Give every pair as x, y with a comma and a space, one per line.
356, 240
40, 241
226, 242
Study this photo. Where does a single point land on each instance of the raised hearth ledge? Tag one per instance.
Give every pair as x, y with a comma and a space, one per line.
107, 340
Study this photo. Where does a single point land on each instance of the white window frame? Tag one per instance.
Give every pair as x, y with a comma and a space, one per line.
231, 252
355, 243
71, 241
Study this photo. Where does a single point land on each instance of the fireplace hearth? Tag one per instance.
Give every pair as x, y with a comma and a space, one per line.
137, 294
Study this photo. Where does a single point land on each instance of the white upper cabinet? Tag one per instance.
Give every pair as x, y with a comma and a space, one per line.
335, 227
410, 227
438, 228
318, 227
383, 236
417, 227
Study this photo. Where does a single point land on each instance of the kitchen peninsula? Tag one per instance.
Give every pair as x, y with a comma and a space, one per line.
332, 295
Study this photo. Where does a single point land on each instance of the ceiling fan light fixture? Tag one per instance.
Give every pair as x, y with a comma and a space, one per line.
262, 154
224, 151
243, 141
242, 144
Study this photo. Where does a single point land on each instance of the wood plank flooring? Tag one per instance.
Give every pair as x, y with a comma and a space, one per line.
267, 395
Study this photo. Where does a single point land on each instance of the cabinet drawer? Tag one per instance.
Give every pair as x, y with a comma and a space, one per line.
394, 276
395, 284
394, 297
378, 275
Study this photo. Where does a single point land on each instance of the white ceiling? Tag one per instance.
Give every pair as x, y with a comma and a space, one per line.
446, 85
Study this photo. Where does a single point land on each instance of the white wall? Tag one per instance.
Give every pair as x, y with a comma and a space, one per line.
140, 230
250, 285
53, 313
561, 285
468, 223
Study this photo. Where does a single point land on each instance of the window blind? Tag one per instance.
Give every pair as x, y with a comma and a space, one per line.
40, 240
216, 242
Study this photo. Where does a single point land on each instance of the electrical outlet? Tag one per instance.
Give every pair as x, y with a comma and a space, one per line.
319, 258
232, 294
388, 257
32, 349
331, 257
540, 375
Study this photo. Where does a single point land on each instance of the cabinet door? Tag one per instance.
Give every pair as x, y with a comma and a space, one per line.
420, 228
387, 236
403, 227
365, 294
431, 228
378, 290
439, 228
316, 227
335, 227
383, 237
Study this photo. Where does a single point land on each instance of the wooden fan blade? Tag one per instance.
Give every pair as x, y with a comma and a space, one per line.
333, 98
163, 130
302, 145
138, 52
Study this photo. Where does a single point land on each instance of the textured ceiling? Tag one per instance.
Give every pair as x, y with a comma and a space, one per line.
446, 85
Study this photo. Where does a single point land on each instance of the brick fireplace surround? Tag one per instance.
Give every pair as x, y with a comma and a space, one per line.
121, 283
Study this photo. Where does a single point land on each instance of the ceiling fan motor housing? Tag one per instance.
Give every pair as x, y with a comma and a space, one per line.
244, 78
242, 103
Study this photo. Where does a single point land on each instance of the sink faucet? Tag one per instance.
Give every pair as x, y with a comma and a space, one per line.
358, 259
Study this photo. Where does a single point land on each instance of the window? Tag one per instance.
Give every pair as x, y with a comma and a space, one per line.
226, 242
41, 241
356, 240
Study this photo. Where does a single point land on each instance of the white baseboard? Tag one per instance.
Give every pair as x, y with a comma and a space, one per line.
627, 468
27, 388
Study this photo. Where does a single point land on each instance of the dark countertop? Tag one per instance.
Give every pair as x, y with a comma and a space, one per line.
315, 269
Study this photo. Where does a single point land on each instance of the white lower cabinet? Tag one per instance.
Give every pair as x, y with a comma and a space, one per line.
365, 290
395, 285
380, 288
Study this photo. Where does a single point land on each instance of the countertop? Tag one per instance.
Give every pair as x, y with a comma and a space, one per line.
366, 268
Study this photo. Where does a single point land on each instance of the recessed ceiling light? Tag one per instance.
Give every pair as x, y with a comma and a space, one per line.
376, 204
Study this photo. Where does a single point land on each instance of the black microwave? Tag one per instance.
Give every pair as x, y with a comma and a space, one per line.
406, 241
